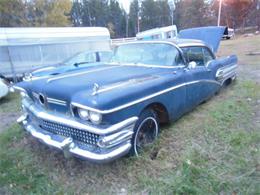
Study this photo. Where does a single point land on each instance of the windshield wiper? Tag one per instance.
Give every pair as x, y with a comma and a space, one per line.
76, 64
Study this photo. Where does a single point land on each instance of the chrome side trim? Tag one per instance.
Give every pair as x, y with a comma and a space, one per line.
148, 65
19, 89
71, 122
142, 99
77, 74
44, 69
109, 87
35, 95
116, 138
226, 72
34, 78
56, 101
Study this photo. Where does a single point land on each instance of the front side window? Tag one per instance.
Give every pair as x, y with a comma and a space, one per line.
148, 53
200, 55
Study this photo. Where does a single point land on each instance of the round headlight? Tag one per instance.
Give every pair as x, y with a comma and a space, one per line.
84, 114
95, 117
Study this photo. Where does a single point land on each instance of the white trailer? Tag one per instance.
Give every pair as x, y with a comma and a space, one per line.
167, 32
24, 49
4, 86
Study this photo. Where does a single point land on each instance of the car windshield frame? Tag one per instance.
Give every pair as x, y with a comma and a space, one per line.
161, 54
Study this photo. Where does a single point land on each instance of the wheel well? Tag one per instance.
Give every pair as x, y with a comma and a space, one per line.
227, 82
161, 112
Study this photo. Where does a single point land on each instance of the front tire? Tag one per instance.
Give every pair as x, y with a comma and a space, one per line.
145, 132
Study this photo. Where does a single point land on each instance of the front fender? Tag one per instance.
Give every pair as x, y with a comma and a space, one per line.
124, 102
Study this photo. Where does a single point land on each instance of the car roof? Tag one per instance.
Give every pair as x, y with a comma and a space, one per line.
175, 41
183, 42
187, 42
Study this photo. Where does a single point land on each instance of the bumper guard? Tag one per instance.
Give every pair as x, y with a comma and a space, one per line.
114, 140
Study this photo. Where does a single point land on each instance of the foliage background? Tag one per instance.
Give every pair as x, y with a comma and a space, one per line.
109, 13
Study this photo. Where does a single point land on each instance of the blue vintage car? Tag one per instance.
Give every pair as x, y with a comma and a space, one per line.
103, 112
78, 61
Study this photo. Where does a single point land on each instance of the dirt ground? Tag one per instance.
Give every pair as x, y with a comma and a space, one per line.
248, 51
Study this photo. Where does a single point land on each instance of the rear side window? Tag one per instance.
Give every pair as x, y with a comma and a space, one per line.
207, 55
200, 55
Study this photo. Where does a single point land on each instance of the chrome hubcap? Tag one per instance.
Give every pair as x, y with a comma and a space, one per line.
146, 134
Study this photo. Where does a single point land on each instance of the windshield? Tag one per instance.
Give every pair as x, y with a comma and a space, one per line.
84, 57
89, 57
147, 53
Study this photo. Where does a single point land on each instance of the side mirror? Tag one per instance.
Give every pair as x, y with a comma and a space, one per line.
192, 65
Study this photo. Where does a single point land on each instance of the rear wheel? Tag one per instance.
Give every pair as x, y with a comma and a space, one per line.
146, 131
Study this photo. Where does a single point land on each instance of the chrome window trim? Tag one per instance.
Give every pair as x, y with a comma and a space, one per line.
193, 45
74, 104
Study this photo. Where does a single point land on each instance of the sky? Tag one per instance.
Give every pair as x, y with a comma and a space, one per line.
125, 4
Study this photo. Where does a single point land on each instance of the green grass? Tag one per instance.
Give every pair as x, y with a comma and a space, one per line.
10, 103
212, 150
222, 154
19, 172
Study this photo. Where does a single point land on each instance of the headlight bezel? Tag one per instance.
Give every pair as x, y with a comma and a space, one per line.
92, 116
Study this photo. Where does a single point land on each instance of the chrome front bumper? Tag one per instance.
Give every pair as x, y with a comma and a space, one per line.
114, 141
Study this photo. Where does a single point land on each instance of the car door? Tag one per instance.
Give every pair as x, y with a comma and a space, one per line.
200, 84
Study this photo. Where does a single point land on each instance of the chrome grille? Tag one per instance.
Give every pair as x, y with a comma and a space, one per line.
75, 134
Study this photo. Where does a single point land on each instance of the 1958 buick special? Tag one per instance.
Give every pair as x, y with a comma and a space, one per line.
103, 112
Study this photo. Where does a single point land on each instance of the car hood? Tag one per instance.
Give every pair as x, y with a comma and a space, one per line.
59, 69
98, 85
211, 35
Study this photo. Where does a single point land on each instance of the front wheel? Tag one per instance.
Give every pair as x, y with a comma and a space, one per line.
146, 131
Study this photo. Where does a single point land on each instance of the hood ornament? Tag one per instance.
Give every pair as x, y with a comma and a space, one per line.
95, 89
27, 77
